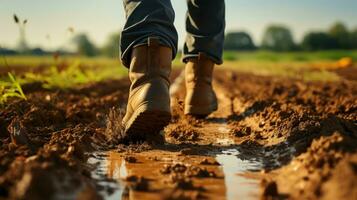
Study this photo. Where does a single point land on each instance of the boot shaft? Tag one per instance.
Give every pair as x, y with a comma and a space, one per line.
200, 98
199, 71
150, 61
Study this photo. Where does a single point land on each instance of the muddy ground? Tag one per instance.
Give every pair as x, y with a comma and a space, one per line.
287, 138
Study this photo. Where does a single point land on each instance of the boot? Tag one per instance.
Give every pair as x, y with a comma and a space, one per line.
200, 99
148, 108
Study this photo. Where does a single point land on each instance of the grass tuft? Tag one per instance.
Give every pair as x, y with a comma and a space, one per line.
10, 88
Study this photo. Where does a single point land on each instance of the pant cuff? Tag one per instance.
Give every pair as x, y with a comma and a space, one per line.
126, 54
185, 58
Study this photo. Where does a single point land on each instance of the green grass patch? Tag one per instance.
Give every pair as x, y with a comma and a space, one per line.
302, 56
287, 64
299, 70
75, 74
10, 88
82, 70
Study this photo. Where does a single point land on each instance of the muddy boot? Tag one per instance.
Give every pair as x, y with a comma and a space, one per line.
148, 108
200, 99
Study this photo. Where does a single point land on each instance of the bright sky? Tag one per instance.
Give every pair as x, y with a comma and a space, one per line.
99, 18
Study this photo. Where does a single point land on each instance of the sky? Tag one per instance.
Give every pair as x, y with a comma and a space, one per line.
49, 20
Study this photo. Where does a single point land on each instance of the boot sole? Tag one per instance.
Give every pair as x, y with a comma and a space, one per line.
200, 111
146, 124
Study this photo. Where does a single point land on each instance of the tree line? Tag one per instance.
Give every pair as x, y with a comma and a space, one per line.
275, 38
280, 38
83, 46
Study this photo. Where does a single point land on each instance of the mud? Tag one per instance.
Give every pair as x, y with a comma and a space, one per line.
348, 73
301, 130
271, 138
50, 135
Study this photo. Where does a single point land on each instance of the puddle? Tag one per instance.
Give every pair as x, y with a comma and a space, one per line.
236, 185
234, 167
107, 174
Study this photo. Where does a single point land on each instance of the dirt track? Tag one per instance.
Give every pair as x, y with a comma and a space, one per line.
272, 138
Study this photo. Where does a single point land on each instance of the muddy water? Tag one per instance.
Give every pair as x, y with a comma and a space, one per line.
238, 186
112, 170
110, 186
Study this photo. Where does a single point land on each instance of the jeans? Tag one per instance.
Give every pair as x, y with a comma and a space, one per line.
205, 24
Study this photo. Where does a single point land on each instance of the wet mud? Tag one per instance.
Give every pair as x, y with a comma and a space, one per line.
271, 138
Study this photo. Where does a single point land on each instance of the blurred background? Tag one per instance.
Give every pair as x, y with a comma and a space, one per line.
92, 27
262, 36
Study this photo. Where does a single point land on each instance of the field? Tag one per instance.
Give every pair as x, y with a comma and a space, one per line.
286, 128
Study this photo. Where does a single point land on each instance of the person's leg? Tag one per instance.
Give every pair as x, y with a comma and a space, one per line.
205, 25
144, 19
148, 45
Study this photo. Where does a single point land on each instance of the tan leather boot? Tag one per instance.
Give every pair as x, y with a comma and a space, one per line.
200, 99
148, 108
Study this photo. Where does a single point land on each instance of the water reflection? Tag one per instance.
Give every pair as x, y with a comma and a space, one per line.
238, 186
112, 168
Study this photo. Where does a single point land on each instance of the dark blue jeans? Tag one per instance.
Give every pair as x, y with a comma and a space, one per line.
205, 24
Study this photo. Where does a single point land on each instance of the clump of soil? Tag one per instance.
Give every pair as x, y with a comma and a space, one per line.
133, 148
317, 166
187, 171
207, 161
137, 183
130, 159
343, 177
177, 176
182, 133
269, 190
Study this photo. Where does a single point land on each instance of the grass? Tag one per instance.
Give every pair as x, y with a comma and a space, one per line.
309, 66
79, 71
35, 61
10, 88
75, 74
83, 70
304, 56
300, 70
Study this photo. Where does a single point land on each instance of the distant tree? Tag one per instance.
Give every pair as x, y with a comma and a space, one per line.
6, 51
84, 45
111, 47
278, 38
318, 41
340, 33
37, 51
353, 38
238, 41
